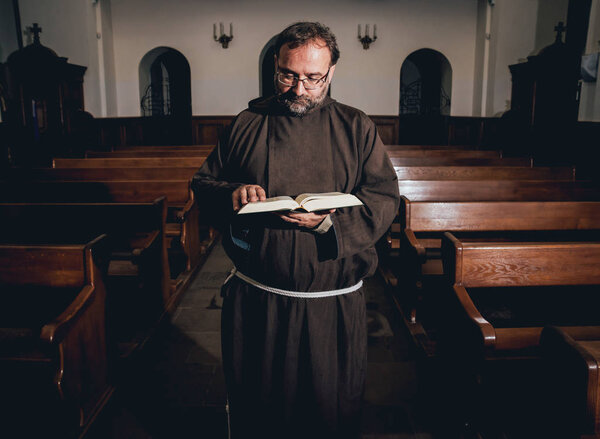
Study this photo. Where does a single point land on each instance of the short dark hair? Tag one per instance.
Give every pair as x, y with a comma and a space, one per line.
301, 33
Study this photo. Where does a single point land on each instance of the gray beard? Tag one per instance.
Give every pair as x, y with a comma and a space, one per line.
300, 105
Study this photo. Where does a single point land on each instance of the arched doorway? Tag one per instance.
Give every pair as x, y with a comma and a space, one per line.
165, 95
425, 90
267, 68
425, 83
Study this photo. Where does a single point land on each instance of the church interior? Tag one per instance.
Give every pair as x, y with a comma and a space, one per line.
482, 316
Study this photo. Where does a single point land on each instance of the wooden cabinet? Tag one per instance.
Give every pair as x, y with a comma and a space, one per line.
45, 99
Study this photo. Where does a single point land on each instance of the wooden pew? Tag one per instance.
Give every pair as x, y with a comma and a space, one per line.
572, 373
163, 148
143, 162
510, 274
182, 219
485, 173
446, 153
460, 161
501, 295
53, 349
392, 147
422, 224
152, 153
499, 190
139, 286
100, 174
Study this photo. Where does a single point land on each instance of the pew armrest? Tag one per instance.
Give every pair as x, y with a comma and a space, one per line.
182, 214
55, 331
482, 326
415, 244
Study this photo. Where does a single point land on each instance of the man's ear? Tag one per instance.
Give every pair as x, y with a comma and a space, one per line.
331, 70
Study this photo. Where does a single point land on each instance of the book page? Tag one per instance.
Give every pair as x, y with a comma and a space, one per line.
305, 197
269, 205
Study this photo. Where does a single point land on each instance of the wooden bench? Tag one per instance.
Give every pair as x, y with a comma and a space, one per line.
143, 162
138, 279
501, 294
422, 224
460, 161
151, 153
485, 173
182, 219
53, 350
446, 153
391, 147
499, 190
533, 284
100, 174
572, 373
163, 148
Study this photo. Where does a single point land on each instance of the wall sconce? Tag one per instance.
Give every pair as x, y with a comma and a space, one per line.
366, 40
223, 38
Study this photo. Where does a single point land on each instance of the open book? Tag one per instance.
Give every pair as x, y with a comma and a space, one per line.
303, 202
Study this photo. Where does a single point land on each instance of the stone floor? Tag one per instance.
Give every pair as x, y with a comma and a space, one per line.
176, 388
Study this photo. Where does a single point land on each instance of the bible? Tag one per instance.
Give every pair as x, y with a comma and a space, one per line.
302, 203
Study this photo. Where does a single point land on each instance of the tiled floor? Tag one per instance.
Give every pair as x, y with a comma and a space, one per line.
176, 387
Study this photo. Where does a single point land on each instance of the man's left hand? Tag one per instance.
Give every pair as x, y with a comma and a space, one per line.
308, 220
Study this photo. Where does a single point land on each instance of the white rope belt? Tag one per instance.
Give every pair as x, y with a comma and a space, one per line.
298, 294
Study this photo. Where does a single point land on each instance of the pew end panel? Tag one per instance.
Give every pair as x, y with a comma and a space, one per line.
66, 343
572, 369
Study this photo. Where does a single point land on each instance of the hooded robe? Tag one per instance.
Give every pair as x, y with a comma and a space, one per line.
296, 367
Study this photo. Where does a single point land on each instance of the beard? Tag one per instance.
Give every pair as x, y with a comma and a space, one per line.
300, 105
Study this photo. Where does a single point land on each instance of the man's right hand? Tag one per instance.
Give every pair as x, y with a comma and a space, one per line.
246, 194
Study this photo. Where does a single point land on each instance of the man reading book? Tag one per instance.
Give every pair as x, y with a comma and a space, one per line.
294, 320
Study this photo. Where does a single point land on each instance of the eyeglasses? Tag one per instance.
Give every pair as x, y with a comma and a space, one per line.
290, 80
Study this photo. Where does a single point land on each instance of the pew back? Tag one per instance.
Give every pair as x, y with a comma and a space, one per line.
498, 190
143, 162
460, 161
501, 264
484, 173
429, 216
101, 174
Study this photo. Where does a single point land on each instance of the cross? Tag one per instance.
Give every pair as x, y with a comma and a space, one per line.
36, 32
560, 28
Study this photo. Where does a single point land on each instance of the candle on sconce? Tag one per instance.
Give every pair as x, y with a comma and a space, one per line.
374, 31
359, 31
366, 30
230, 29
221, 28
215, 30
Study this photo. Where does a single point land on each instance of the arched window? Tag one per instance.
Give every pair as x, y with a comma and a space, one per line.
425, 83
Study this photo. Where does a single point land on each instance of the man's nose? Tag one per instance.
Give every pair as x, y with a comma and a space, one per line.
299, 89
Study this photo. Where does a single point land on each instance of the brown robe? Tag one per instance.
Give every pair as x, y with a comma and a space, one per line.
296, 367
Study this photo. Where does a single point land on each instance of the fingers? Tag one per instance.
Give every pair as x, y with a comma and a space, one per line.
246, 194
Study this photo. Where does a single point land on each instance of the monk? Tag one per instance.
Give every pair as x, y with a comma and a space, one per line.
294, 331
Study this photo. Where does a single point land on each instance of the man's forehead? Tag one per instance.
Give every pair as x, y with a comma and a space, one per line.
313, 49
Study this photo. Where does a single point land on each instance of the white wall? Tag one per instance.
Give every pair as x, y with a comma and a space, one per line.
8, 30
224, 80
589, 105
512, 39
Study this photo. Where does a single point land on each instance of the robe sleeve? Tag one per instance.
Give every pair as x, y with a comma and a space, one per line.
359, 228
211, 188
